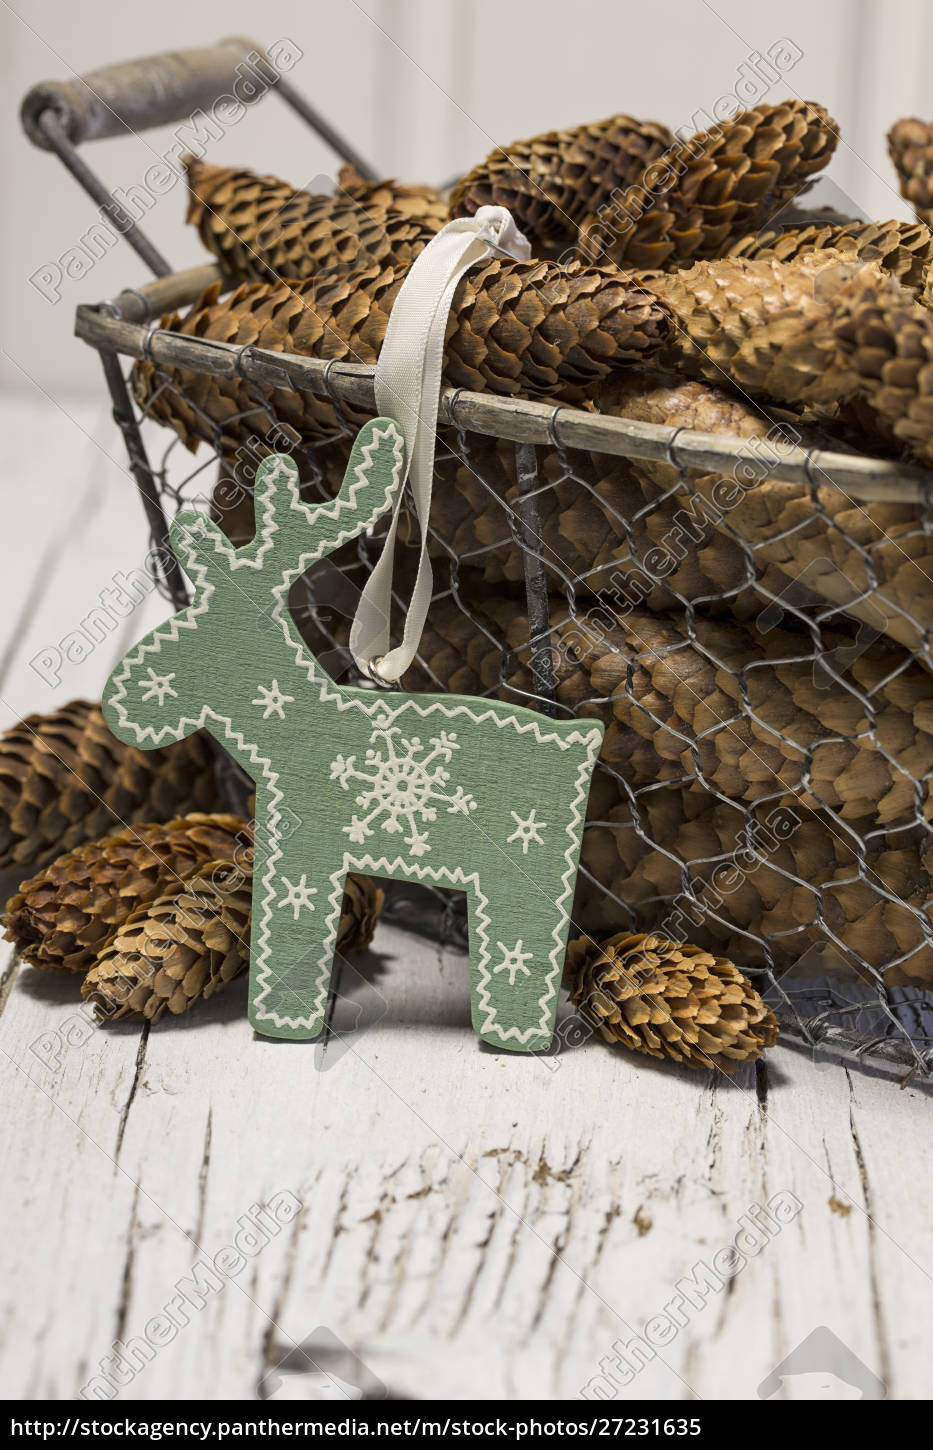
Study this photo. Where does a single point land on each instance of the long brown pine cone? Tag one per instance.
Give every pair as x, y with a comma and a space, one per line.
64, 915
887, 340
713, 188
552, 181
905, 249
669, 999
530, 328
725, 709
910, 146
193, 940
262, 229
764, 325
65, 778
816, 330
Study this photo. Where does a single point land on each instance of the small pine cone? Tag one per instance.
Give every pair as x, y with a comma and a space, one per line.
551, 182
904, 249
65, 778
668, 999
194, 939
712, 189
188, 943
421, 203
261, 229
537, 329
62, 917
910, 146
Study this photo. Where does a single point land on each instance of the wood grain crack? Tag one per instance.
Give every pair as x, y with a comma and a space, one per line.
881, 1338
137, 1078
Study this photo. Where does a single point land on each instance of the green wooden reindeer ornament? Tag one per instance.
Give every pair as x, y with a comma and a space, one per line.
460, 792
451, 790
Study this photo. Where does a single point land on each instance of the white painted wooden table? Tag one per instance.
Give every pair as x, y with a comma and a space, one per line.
473, 1224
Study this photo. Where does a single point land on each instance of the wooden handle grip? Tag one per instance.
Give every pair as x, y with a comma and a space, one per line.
157, 90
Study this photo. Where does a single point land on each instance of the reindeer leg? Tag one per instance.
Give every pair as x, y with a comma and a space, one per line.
517, 936
297, 899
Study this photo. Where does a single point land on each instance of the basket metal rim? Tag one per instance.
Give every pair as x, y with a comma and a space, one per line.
123, 325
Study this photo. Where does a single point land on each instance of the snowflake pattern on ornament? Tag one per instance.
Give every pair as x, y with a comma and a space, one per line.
157, 687
272, 700
527, 831
406, 783
298, 896
514, 960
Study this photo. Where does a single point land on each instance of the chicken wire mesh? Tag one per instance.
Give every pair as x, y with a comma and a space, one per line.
762, 664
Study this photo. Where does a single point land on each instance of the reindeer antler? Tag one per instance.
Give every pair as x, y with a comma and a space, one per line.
301, 533
289, 530
244, 589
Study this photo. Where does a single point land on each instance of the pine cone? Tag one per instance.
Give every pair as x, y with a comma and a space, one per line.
261, 229
708, 191
551, 182
422, 203
886, 340
910, 146
669, 999
722, 708
532, 328
63, 916
765, 326
194, 939
65, 778
817, 330
904, 249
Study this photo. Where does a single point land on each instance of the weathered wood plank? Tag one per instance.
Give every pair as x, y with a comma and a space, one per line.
504, 1234
77, 523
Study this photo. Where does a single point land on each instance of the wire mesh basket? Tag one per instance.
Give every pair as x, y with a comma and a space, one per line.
756, 642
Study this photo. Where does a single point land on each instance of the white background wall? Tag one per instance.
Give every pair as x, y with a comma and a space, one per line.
425, 88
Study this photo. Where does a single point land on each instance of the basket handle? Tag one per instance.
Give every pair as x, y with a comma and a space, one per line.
157, 90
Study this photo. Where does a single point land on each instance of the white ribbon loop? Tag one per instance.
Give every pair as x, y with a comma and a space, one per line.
408, 384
